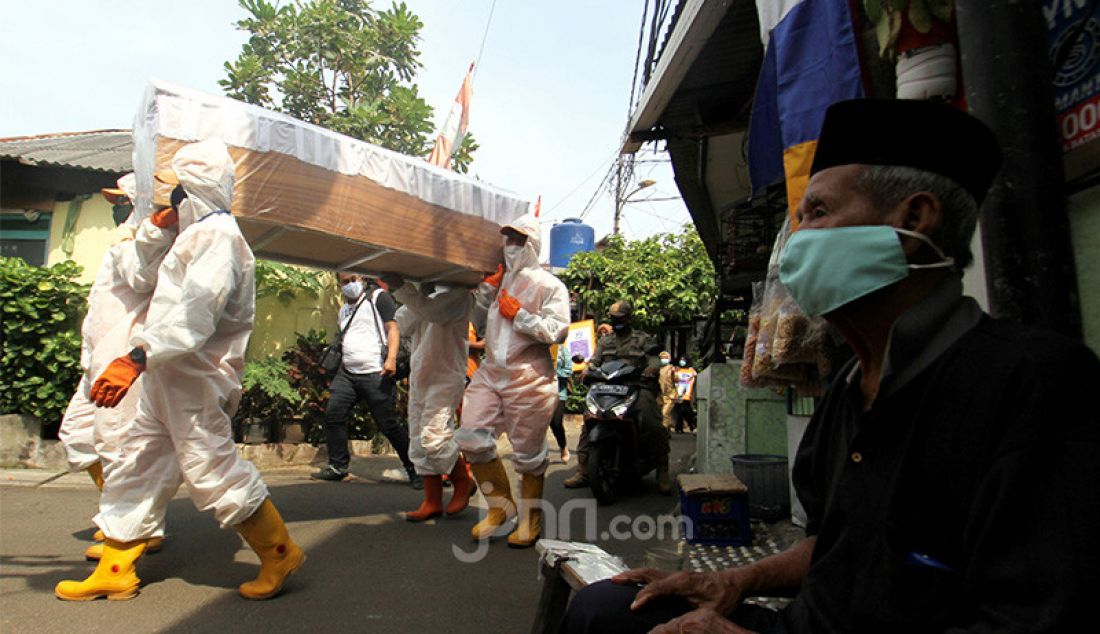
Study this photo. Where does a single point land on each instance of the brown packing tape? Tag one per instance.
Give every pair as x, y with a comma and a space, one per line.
300, 213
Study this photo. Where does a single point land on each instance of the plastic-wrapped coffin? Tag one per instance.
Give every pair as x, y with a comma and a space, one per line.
309, 196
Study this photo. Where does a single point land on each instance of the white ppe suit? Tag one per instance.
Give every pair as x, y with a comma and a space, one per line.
437, 326
515, 390
195, 336
117, 303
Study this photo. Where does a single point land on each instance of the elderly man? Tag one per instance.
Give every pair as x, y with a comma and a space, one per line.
949, 475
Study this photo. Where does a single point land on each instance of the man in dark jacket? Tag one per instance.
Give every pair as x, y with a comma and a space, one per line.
949, 476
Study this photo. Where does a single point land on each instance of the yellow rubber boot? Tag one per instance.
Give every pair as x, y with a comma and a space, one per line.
114, 577
96, 471
529, 526
95, 551
279, 555
493, 480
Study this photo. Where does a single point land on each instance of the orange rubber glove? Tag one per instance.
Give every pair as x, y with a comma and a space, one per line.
165, 218
508, 305
115, 381
495, 278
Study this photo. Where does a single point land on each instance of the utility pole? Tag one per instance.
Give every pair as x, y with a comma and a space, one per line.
1025, 228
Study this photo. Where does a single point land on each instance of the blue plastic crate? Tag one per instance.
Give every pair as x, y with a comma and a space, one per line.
715, 510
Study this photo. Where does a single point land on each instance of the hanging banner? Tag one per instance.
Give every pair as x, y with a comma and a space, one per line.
1074, 49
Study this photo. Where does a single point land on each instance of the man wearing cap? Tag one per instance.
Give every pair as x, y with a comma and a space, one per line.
190, 356
525, 310
117, 303
636, 347
949, 474
666, 380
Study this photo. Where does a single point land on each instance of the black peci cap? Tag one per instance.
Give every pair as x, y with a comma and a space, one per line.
924, 135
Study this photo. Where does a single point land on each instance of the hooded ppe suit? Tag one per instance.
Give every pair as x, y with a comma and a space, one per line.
437, 325
117, 304
194, 338
515, 390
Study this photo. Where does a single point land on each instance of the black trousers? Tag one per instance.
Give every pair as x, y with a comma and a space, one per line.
684, 414
604, 608
377, 391
557, 424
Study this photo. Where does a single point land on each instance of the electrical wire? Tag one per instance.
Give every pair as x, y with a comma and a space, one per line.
549, 211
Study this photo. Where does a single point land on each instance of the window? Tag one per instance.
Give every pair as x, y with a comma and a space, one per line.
22, 237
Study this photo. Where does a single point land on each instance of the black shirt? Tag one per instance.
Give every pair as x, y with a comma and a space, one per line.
967, 498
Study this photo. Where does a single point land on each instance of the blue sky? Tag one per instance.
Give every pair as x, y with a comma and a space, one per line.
549, 104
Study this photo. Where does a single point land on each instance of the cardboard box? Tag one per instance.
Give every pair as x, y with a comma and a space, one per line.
306, 195
714, 509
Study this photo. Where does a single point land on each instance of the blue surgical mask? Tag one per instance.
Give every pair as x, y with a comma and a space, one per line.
824, 269
352, 290
664, 361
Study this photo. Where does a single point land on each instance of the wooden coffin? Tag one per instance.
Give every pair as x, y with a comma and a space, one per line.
308, 196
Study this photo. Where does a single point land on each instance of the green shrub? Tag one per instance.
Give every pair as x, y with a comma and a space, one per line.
40, 362
267, 397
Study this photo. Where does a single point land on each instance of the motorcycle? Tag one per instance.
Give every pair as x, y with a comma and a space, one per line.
617, 457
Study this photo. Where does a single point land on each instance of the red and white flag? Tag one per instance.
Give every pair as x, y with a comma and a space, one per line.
454, 128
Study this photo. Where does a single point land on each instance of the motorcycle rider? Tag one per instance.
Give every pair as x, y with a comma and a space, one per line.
635, 347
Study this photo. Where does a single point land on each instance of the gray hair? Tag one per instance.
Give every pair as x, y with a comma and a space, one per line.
888, 185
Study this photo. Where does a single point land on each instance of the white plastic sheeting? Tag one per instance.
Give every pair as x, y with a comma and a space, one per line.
184, 114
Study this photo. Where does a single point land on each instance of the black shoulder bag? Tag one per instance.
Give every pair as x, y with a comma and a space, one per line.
333, 355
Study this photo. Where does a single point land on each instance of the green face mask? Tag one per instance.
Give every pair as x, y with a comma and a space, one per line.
825, 269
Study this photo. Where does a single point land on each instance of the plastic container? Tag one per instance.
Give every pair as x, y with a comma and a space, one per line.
714, 509
567, 238
768, 483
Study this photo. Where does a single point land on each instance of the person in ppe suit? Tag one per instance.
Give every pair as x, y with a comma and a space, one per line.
117, 303
514, 391
190, 356
437, 322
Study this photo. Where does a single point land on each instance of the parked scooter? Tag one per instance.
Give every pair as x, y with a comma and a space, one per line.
617, 458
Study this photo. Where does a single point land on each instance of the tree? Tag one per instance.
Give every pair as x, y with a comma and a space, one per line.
339, 64
668, 277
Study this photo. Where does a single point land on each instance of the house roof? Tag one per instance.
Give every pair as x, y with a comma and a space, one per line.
97, 150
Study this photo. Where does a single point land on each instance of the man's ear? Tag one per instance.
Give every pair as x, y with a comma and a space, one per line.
921, 213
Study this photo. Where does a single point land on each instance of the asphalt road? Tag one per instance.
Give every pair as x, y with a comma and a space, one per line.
367, 569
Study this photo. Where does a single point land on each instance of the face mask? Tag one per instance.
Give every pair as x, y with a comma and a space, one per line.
620, 326
352, 290
683, 364
825, 269
664, 361
512, 256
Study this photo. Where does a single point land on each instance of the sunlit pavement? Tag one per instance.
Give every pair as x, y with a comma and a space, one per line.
367, 569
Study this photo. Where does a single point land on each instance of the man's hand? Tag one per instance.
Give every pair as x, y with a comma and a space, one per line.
701, 620
389, 368
704, 590
508, 305
393, 281
165, 218
115, 381
494, 279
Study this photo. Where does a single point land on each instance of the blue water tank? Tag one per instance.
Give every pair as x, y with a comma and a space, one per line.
568, 237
